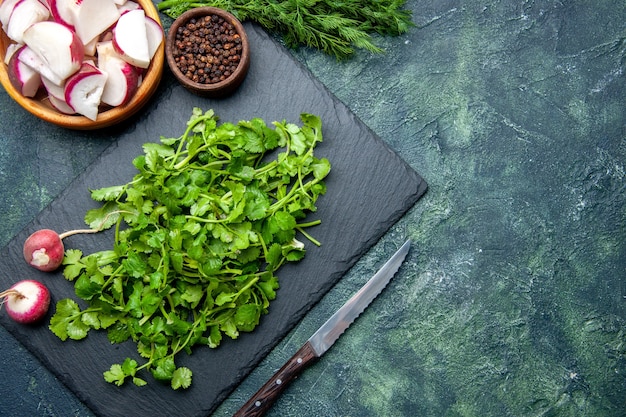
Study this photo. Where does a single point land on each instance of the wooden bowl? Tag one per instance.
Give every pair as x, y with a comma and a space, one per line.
41, 107
214, 89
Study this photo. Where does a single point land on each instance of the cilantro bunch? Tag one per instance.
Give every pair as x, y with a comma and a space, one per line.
200, 232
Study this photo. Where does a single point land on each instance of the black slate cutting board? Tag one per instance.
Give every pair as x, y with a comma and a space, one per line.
369, 188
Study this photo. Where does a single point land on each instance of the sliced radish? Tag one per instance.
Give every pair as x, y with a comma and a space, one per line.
53, 89
83, 90
59, 104
11, 49
123, 78
90, 47
6, 9
57, 46
64, 11
25, 13
122, 82
27, 301
30, 58
155, 35
128, 6
130, 39
94, 17
25, 79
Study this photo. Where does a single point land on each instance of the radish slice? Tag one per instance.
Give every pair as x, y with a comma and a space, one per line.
25, 13
30, 58
128, 6
64, 11
53, 89
11, 49
25, 79
60, 104
57, 46
130, 39
83, 90
6, 9
123, 78
95, 17
155, 35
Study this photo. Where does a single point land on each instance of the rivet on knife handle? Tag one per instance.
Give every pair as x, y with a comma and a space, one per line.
260, 402
324, 337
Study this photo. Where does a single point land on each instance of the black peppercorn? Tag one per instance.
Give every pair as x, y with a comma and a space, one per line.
207, 50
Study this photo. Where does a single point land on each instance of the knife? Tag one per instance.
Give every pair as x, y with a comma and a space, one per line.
323, 338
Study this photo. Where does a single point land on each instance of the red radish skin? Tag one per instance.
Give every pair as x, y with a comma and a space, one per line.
44, 250
27, 301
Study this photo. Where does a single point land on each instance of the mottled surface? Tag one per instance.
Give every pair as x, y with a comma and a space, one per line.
512, 302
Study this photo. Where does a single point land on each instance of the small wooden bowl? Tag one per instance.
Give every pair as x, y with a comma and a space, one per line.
217, 89
41, 107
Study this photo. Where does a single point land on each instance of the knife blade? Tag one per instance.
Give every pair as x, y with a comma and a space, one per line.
323, 338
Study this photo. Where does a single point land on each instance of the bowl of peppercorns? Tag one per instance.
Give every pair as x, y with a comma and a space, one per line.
207, 50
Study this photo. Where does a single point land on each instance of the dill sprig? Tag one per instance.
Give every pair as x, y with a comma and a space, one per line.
337, 27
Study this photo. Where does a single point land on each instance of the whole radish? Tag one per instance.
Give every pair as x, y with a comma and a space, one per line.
27, 301
44, 249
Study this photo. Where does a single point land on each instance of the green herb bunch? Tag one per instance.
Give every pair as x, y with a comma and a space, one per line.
335, 27
199, 233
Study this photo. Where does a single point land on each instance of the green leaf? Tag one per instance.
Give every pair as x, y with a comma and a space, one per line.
181, 378
66, 311
108, 193
247, 317
164, 370
76, 329
274, 256
225, 297
118, 333
115, 375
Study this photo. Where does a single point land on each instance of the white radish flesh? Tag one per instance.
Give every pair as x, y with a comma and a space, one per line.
95, 17
57, 46
83, 90
130, 39
27, 301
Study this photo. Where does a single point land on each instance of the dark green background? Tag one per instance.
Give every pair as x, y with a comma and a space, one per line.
513, 299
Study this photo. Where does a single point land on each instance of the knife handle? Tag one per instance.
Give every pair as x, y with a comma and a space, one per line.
260, 402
